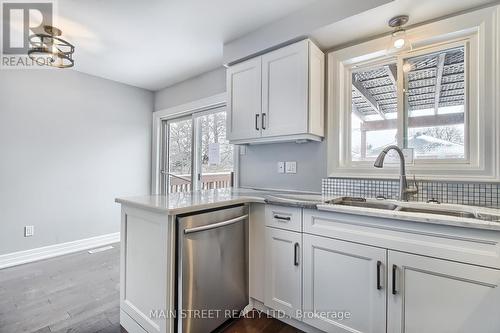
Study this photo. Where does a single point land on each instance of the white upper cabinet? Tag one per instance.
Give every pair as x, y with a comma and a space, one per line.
285, 90
289, 91
244, 100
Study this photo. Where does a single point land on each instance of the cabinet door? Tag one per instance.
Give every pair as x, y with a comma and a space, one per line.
344, 286
285, 86
244, 100
283, 271
433, 295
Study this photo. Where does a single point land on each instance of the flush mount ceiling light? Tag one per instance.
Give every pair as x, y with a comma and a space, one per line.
399, 40
50, 50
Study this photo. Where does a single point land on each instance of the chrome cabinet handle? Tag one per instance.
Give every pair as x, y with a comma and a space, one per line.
394, 271
379, 266
284, 218
257, 122
296, 254
263, 121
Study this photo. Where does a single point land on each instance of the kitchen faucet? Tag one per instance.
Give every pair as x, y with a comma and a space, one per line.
404, 190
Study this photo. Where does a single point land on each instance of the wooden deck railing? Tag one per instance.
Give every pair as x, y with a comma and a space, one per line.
208, 181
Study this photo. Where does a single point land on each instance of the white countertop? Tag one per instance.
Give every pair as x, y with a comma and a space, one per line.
185, 202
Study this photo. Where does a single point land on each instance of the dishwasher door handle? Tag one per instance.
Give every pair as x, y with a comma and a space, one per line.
215, 225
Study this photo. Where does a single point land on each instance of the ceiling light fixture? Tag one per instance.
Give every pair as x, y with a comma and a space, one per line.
50, 50
399, 40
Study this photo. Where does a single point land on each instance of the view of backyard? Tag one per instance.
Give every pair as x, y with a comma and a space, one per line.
434, 107
214, 154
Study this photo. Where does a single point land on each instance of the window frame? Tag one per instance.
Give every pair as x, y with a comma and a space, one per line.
475, 31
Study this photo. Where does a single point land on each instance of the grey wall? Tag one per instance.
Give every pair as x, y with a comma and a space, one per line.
258, 167
69, 144
204, 85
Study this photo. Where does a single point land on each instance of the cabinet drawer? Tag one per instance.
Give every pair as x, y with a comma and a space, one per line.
283, 217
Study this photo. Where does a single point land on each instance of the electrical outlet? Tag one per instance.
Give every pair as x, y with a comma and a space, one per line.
29, 230
291, 167
281, 167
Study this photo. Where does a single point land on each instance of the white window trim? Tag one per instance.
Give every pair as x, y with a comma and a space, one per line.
483, 98
197, 107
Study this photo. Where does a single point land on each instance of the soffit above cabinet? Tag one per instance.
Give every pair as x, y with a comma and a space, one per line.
294, 27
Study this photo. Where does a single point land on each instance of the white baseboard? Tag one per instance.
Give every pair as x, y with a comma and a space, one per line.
23, 257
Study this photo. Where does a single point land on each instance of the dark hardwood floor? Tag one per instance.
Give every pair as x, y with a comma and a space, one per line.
73, 293
79, 293
258, 322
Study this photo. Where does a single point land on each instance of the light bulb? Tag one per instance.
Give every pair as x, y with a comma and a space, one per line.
399, 43
407, 67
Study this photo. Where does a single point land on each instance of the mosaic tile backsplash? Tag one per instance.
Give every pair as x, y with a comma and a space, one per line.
475, 194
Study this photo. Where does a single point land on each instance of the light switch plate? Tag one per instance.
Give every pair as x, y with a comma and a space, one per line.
281, 167
291, 167
29, 230
242, 149
408, 154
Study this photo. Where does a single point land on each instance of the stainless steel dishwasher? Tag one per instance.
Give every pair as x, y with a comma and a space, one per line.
212, 268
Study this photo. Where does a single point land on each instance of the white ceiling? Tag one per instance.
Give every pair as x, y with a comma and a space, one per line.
153, 44
374, 22
156, 43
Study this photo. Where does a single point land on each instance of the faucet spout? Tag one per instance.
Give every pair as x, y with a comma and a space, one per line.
404, 190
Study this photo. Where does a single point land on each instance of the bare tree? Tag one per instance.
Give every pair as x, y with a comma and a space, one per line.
447, 133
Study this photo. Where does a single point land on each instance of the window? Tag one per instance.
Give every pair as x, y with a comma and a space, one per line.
216, 154
438, 100
374, 111
435, 104
179, 143
197, 153
433, 111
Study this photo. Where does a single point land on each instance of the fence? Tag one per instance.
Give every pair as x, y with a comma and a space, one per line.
208, 181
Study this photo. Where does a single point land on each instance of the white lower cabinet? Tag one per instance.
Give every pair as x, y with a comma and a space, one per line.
283, 276
438, 296
346, 275
344, 286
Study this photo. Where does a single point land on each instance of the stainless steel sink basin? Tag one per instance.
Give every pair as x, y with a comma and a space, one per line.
310, 201
361, 202
412, 208
455, 213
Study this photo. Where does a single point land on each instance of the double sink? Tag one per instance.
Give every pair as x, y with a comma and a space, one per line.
397, 206
423, 208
